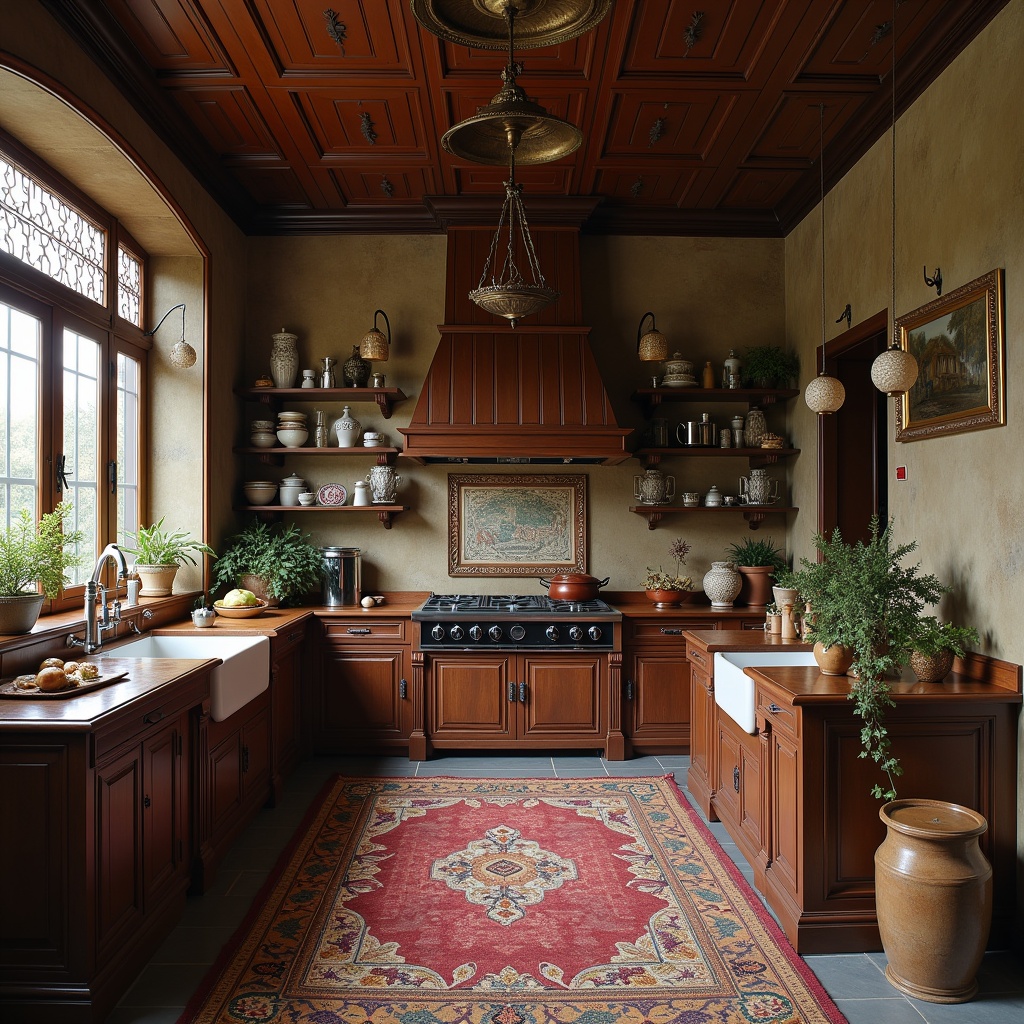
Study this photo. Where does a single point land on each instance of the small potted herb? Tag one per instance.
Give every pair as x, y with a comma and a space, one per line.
770, 366
34, 554
933, 646
757, 561
667, 590
158, 554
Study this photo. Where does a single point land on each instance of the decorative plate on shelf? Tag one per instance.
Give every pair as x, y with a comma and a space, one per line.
331, 494
244, 611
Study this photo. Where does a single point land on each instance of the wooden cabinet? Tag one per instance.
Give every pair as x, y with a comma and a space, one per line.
288, 660
362, 700
487, 700
738, 785
101, 800
700, 776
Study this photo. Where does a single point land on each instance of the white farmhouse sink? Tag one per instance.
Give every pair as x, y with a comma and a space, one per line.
734, 691
243, 674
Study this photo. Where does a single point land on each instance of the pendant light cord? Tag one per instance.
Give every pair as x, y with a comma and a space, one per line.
895, 4
821, 173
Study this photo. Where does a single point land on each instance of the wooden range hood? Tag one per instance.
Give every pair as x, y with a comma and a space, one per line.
533, 394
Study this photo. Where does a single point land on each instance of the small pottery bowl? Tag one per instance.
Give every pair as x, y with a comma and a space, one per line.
292, 437
261, 426
307, 498
286, 415
263, 439
690, 498
260, 492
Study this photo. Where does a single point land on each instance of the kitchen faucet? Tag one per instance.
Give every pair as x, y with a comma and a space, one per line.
95, 627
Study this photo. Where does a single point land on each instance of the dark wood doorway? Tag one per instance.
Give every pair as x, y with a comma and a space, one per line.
853, 450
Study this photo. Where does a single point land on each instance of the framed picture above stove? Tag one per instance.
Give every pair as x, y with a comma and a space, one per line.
517, 524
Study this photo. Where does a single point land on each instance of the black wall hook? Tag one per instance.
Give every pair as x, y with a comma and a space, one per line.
934, 282
847, 315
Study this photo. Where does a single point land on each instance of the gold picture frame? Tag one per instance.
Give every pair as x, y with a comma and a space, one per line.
960, 348
517, 524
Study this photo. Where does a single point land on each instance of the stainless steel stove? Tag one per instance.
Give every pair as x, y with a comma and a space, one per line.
515, 621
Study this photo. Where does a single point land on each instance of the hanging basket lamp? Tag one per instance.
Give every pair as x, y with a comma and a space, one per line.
651, 345
375, 345
894, 371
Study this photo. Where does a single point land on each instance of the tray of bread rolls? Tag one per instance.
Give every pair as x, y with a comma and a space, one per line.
56, 679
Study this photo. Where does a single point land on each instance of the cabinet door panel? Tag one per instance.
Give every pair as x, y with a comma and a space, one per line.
730, 773
661, 701
225, 778
786, 811
119, 847
469, 697
255, 754
563, 696
359, 695
163, 845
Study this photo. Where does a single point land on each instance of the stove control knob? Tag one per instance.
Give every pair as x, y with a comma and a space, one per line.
456, 632
576, 633
517, 632
594, 632
475, 632
551, 633
494, 633
437, 632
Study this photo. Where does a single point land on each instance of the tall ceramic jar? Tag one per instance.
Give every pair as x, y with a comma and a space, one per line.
755, 428
933, 898
356, 369
284, 359
722, 584
348, 428
383, 481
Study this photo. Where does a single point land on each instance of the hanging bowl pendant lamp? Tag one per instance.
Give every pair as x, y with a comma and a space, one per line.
895, 370
825, 394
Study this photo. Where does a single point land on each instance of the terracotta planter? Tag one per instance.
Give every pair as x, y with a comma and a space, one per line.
933, 898
157, 580
833, 661
930, 668
18, 613
755, 585
258, 585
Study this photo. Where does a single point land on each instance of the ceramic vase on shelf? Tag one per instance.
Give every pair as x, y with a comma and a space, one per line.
383, 481
348, 428
356, 369
722, 584
653, 487
755, 427
284, 359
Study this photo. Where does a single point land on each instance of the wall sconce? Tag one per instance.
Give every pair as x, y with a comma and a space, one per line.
375, 346
651, 347
182, 355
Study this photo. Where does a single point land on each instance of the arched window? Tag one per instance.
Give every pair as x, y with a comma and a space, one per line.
73, 360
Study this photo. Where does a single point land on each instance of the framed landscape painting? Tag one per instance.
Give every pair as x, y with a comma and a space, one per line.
517, 524
958, 342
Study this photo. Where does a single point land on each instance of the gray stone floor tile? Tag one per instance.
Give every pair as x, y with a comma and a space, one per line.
164, 984
145, 1015
850, 976
674, 760
193, 945
892, 1010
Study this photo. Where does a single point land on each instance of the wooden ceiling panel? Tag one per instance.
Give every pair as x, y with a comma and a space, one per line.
172, 35
690, 125
372, 37
351, 124
229, 120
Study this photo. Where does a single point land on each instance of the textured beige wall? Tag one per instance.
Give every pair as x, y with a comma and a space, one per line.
326, 290
960, 206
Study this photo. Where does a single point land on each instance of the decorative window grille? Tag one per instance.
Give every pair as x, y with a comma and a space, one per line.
43, 231
129, 286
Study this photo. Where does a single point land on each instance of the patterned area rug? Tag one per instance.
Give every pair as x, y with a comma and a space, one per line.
498, 901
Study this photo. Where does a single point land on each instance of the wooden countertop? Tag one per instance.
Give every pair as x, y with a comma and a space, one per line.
713, 640
79, 712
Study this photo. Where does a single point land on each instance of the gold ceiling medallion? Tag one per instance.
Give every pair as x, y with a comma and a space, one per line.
481, 23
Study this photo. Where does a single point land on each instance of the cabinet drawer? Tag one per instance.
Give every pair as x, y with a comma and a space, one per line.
783, 717
341, 631
661, 630
701, 661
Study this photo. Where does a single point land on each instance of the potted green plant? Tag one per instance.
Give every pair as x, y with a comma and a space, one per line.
277, 563
770, 366
667, 590
158, 554
757, 561
34, 555
935, 644
862, 597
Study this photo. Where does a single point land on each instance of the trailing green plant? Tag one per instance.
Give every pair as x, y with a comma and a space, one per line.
863, 597
770, 364
153, 545
281, 555
40, 553
749, 552
658, 579
932, 637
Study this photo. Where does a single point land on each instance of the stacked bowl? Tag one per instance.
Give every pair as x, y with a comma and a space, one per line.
262, 435
260, 492
678, 373
291, 429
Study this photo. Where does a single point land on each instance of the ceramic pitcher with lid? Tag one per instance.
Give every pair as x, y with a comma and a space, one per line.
654, 488
759, 488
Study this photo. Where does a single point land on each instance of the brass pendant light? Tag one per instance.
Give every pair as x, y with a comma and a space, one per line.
479, 23
512, 120
825, 394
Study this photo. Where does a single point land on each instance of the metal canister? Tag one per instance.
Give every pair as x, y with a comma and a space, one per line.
341, 576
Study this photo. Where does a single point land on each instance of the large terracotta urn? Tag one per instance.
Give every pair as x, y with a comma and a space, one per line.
834, 660
933, 898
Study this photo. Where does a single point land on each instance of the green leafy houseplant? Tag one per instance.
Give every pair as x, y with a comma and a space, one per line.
935, 644
749, 552
282, 556
864, 598
153, 545
38, 553
770, 366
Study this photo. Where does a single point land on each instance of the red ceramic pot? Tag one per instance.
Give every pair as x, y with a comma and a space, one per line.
573, 586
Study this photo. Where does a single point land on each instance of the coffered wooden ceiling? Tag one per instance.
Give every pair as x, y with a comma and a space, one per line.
325, 115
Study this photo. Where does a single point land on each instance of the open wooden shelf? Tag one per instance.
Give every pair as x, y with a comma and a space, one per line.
384, 513
753, 514
385, 398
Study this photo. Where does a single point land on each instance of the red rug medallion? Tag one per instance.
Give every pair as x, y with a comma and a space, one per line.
457, 901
